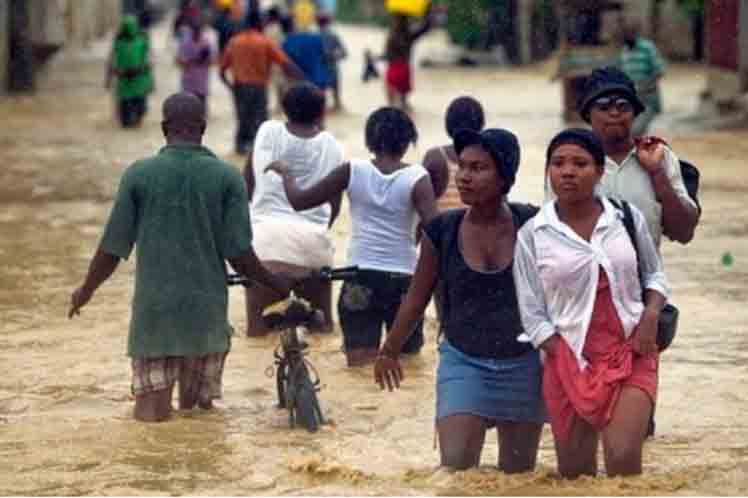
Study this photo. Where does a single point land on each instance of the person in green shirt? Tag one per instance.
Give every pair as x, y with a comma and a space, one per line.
186, 213
641, 61
130, 63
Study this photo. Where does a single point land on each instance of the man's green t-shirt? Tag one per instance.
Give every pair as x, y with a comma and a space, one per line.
186, 212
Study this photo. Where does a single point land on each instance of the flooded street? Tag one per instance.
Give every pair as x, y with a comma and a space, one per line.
66, 424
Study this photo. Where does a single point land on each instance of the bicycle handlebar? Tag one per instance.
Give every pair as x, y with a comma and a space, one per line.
325, 273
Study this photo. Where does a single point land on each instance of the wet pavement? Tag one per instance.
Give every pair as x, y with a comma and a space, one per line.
66, 423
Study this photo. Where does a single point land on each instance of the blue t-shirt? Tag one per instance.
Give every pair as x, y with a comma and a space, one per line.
307, 50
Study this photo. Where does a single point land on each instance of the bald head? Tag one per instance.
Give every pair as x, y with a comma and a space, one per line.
184, 117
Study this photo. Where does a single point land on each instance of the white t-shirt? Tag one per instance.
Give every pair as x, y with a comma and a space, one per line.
309, 160
383, 217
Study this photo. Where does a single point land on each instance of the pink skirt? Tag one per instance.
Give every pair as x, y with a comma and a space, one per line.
592, 393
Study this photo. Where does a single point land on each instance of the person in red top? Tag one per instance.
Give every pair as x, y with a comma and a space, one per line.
249, 56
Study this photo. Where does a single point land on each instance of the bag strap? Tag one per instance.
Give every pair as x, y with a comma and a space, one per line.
628, 223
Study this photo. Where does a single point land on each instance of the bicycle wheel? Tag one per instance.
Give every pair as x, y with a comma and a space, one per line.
308, 412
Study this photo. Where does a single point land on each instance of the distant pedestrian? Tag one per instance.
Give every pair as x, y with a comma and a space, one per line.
387, 199
249, 57
307, 50
189, 12
224, 24
195, 56
641, 61
186, 214
398, 50
335, 52
130, 63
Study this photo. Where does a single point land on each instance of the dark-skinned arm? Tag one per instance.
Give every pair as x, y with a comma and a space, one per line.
335, 209
425, 26
249, 177
679, 217
326, 190
387, 370
424, 200
438, 169
249, 265
101, 268
293, 71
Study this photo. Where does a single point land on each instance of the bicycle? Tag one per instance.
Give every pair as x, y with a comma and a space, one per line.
296, 387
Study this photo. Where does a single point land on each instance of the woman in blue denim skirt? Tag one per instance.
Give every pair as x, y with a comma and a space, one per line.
486, 377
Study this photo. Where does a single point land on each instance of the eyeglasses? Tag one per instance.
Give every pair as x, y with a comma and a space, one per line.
606, 104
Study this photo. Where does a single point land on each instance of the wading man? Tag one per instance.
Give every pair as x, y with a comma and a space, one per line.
186, 212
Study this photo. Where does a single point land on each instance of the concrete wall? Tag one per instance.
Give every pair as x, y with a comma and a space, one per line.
88, 20
58, 23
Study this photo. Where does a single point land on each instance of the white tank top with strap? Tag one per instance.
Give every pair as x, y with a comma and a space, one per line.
383, 217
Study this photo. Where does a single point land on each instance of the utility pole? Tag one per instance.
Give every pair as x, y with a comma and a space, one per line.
21, 56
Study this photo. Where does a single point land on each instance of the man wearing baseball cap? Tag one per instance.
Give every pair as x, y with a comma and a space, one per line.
645, 171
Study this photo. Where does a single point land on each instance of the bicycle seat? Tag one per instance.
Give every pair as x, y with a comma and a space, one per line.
292, 312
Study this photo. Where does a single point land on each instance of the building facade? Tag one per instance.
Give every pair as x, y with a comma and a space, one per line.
31, 31
727, 49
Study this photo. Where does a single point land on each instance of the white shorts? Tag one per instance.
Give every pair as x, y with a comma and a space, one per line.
294, 242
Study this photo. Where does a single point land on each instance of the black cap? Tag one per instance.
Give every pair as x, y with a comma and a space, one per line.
502, 145
607, 81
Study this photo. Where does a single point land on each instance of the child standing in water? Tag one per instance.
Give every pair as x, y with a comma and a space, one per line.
387, 198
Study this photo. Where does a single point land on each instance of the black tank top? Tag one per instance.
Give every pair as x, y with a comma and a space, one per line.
480, 315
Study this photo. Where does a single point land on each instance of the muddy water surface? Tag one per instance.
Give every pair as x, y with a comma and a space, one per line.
65, 410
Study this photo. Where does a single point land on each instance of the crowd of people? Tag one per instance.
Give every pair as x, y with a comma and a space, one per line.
547, 313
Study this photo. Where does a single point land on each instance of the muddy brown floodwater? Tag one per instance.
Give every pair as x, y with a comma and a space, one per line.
66, 423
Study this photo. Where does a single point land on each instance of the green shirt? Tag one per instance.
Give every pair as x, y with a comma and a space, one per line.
642, 63
186, 212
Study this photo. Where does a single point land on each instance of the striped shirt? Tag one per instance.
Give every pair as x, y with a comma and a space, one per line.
642, 64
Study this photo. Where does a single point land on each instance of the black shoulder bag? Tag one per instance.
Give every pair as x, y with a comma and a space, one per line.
668, 323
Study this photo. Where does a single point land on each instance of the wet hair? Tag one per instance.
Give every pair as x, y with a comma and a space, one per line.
585, 139
390, 131
464, 113
303, 103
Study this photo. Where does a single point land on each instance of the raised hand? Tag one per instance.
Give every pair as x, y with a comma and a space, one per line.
650, 151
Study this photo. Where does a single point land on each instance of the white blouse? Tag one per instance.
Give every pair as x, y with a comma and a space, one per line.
556, 274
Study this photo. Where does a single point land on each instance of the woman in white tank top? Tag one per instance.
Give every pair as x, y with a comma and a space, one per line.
387, 199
